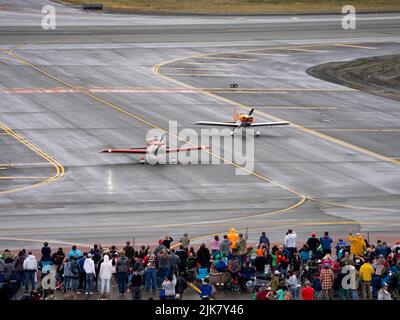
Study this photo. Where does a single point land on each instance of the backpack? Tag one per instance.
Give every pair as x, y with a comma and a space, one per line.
221, 266
96, 256
317, 284
122, 265
191, 262
75, 269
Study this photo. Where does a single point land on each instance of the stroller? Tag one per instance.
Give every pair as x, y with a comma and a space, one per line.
219, 279
261, 280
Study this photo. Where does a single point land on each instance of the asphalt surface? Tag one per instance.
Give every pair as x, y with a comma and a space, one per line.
103, 80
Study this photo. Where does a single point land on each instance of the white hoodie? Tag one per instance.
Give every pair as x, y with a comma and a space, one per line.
106, 269
169, 286
30, 263
88, 266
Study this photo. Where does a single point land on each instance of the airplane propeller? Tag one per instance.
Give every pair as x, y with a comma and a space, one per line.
161, 143
251, 112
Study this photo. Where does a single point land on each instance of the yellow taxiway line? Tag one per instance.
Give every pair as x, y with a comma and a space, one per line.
59, 168
307, 50
354, 46
156, 70
226, 58
21, 177
196, 69
302, 198
301, 128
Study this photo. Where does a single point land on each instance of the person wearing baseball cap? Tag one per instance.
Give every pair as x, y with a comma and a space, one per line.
185, 240
89, 268
383, 293
275, 281
313, 243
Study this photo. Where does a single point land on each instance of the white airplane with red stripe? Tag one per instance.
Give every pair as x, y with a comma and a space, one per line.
242, 120
154, 150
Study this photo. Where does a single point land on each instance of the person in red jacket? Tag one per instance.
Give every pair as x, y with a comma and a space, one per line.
261, 294
307, 292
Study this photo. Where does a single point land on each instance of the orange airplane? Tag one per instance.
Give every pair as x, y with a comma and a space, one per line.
153, 150
242, 120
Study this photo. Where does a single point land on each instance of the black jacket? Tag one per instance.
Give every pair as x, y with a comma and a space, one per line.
259, 263
183, 256
313, 243
167, 242
129, 251
181, 285
137, 279
203, 257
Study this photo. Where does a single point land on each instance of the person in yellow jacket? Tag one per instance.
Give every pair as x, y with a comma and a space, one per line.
357, 244
233, 238
366, 273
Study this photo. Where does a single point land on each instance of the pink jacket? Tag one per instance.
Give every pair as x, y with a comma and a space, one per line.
214, 244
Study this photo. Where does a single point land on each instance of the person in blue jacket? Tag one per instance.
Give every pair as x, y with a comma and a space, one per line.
326, 243
341, 245
74, 252
380, 249
247, 273
205, 290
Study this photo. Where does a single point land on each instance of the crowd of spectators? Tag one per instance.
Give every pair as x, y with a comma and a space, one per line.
321, 268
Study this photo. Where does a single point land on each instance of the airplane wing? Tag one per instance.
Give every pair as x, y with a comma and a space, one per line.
142, 150
221, 124
270, 124
168, 150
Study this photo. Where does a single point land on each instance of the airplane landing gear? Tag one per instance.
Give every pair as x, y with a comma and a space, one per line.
173, 160
257, 133
231, 133
142, 160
